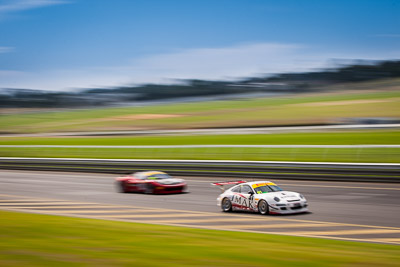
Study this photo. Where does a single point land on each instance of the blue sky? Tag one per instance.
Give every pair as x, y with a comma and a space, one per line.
67, 44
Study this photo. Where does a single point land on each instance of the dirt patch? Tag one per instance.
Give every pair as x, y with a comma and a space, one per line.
344, 102
143, 117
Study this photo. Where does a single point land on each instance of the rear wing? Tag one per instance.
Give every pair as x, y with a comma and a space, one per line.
221, 184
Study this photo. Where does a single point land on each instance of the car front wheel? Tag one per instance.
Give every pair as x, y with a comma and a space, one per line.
263, 207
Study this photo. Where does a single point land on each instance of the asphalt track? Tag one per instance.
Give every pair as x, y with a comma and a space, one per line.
349, 211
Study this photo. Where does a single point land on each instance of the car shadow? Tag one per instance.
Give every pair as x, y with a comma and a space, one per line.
160, 194
275, 215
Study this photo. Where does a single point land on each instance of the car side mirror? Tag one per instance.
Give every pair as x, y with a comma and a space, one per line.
251, 193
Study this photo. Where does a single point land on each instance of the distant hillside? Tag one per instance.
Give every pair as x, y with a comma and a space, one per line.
280, 83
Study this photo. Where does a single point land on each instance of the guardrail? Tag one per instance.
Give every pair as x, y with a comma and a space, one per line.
361, 172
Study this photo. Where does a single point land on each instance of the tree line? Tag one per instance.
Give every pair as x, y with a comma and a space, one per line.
282, 83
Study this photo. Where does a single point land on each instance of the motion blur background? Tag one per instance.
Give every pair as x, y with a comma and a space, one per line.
259, 80
140, 68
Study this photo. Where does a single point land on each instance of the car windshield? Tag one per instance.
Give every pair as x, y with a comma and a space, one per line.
266, 188
158, 176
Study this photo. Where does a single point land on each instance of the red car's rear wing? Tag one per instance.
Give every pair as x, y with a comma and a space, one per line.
221, 184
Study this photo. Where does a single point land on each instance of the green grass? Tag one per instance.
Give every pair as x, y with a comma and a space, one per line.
390, 155
43, 240
325, 138
301, 109
366, 155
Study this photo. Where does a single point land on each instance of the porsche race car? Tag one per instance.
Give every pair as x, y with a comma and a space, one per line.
264, 197
150, 182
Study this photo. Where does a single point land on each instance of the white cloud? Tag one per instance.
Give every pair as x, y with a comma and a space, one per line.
6, 49
20, 5
387, 35
219, 63
6, 73
245, 60
231, 62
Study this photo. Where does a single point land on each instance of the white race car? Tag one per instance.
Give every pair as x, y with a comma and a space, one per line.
264, 197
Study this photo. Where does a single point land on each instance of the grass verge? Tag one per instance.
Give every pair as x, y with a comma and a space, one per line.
362, 137
371, 155
44, 240
390, 155
288, 110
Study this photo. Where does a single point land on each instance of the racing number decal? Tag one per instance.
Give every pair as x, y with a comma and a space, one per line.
251, 203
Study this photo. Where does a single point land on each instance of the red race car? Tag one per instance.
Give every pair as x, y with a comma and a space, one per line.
150, 182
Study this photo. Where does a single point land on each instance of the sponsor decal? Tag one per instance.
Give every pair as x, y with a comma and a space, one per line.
241, 201
262, 184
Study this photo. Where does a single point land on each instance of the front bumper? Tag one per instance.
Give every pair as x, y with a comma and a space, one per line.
170, 189
289, 208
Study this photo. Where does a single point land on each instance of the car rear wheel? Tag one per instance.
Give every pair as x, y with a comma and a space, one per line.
226, 205
263, 207
149, 189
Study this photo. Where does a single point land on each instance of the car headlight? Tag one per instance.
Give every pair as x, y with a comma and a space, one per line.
277, 199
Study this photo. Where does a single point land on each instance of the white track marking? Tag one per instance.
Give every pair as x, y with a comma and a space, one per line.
349, 232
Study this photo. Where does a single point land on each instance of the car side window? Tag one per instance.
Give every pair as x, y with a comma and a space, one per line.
139, 176
245, 189
236, 189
